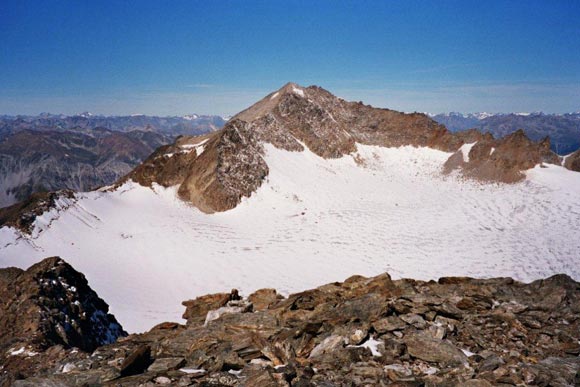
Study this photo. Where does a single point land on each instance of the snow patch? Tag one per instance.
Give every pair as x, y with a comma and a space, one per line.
276, 94
371, 344
465, 149
467, 352
298, 91
22, 351
193, 370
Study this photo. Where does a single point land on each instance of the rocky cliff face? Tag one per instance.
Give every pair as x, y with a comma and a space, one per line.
46, 310
364, 331
231, 165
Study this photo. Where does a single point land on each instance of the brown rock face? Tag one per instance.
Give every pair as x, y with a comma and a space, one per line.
196, 310
330, 126
48, 308
502, 160
213, 171
573, 161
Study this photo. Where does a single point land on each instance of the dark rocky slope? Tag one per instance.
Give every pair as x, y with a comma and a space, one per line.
45, 312
364, 331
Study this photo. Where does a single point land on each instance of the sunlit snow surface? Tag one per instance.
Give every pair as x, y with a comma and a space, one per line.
314, 221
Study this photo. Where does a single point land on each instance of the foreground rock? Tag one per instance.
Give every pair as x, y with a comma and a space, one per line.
49, 313
364, 331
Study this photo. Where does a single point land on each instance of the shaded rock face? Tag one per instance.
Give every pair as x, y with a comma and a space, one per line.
364, 331
572, 161
213, 172
502, 160
47, 309
231, 165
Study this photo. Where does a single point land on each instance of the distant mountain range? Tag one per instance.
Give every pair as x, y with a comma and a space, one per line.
189, 124
51, 152
563, 129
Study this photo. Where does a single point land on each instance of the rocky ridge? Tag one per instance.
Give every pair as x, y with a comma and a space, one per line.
46, 313
572, 161
232, 165
363, 331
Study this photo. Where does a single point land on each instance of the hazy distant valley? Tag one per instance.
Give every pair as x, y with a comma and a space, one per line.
82, 152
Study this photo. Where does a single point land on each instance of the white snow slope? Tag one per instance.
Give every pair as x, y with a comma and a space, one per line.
314, 221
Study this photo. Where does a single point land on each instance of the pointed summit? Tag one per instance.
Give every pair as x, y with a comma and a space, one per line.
269, 102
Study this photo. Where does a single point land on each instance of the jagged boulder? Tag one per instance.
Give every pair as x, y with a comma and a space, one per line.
48, 309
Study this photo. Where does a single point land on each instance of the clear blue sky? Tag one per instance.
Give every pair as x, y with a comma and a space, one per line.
176, 57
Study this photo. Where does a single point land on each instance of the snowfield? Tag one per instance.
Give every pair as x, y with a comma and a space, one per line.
313, 221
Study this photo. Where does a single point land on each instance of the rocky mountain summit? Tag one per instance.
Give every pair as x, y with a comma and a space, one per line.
363, 331
47, 312
228, 165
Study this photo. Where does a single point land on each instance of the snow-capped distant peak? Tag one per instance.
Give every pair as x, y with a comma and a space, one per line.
86, 114
482, 115
190, 117
522, 114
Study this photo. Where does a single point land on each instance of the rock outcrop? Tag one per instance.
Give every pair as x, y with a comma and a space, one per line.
363, 331
572, 161
503, 160
46, 311
231, 164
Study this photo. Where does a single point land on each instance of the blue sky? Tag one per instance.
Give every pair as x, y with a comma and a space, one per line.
218, 57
